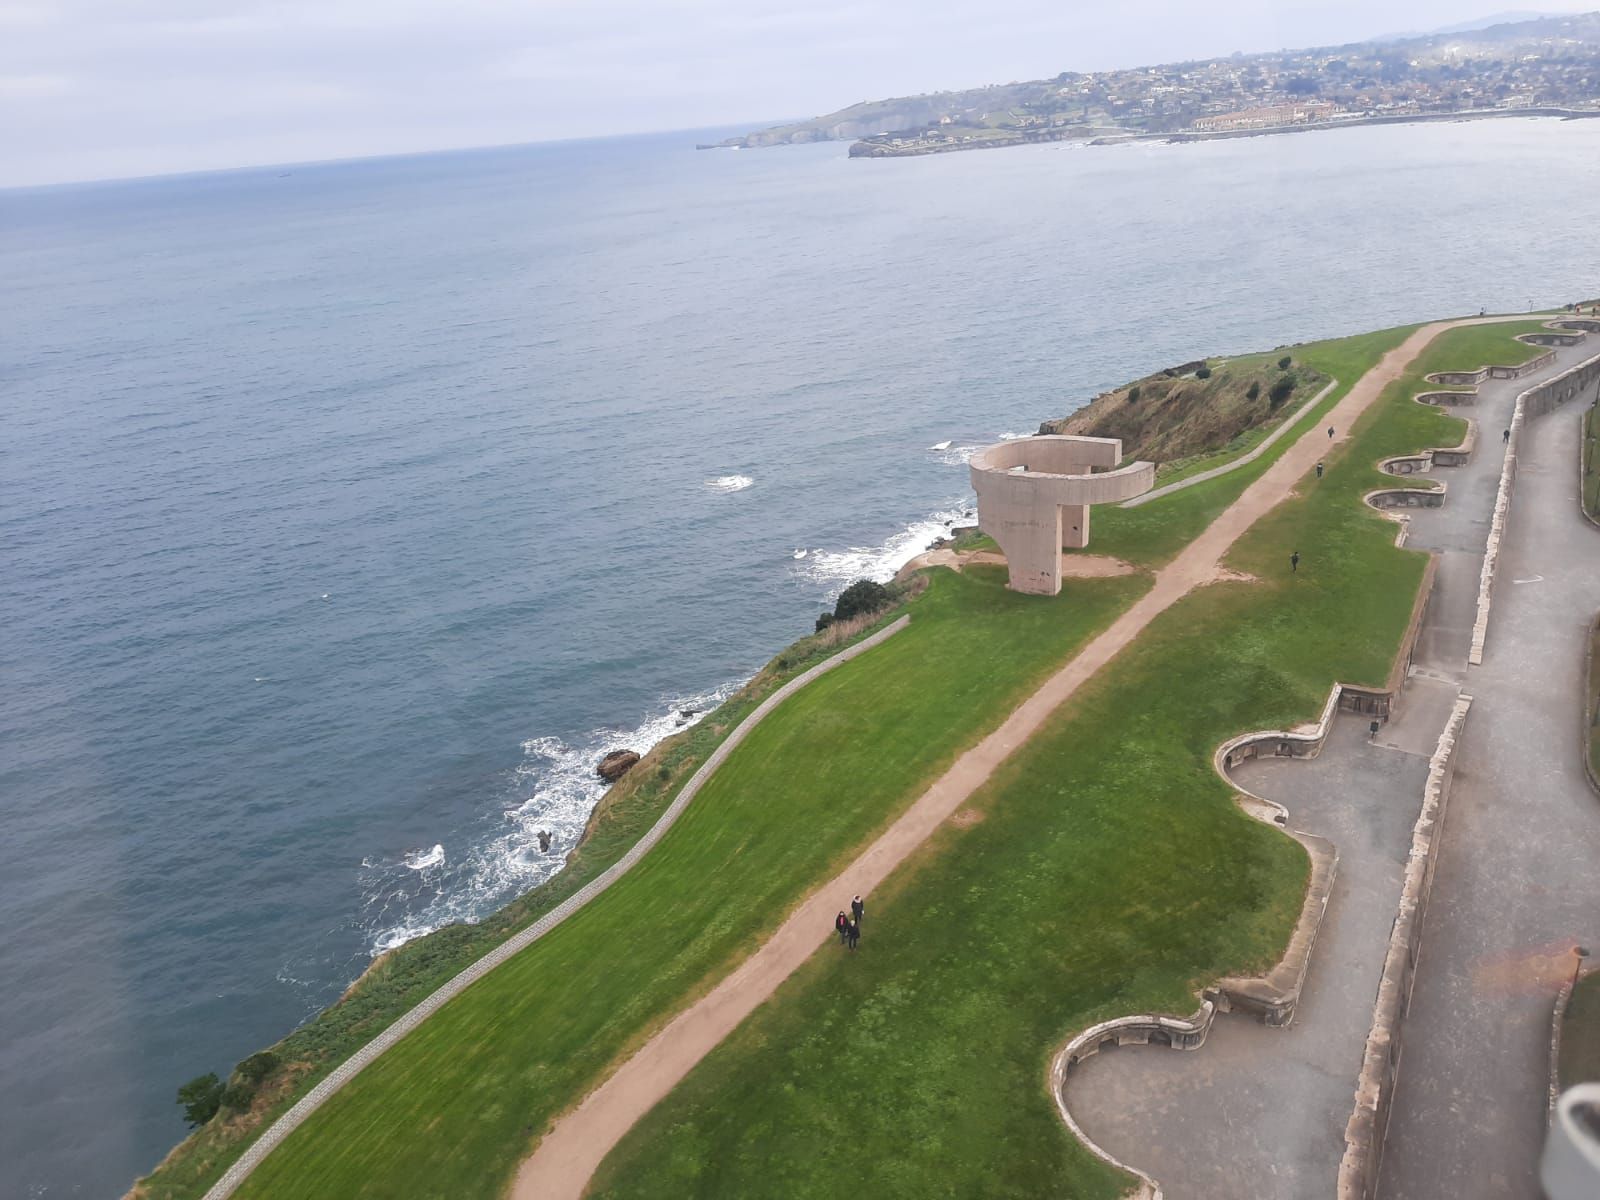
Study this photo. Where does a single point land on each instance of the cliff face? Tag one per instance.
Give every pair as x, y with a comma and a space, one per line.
860, 120
1175, 414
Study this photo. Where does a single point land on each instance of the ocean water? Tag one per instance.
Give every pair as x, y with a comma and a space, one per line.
349, 513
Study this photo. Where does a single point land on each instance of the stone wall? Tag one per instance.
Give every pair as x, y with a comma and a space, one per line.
1364, 1132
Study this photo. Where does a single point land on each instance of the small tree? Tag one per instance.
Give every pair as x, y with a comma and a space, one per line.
824, 620
1284, 363
1254, 390
862, 596
1280, 391
1133, 394
1202, 372
236, 1097
257, 1067
200, 1098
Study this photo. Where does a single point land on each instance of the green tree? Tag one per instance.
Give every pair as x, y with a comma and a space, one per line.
862, 596
257, 1067
236, 1097
824, 620
1202, 372
1133, 394
1280, 391
200, 1098
1284, 363
1254, 390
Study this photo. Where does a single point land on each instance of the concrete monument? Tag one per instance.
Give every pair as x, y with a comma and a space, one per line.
1034, 495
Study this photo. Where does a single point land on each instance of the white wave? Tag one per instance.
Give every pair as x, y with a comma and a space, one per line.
959, 454
1008, 436
945, 445
838, 568
799, 553
556, 790
729, 483
421, 860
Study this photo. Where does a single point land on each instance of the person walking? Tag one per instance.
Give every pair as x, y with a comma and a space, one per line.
1505, 438
841, 924
1330, 433
853, 934
858, 909
1294, 562
1319, 470
1373, 729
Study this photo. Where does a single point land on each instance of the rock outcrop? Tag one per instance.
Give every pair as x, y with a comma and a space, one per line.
616, 764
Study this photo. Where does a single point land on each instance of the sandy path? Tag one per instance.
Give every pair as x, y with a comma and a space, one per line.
561, 1165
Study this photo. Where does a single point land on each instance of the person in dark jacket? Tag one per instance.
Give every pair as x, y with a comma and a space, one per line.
854, 934
858, 909
841, 925
1294, 561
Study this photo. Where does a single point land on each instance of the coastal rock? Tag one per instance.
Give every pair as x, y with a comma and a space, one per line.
615, 765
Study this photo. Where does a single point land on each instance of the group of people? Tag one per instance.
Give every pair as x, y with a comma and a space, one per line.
849, 927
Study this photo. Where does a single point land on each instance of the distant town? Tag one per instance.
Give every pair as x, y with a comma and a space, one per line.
1548, 66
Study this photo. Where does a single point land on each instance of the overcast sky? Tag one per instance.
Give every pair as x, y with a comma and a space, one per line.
103, 88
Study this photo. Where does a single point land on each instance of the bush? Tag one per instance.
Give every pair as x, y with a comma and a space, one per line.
1254, 390
862, 596
1280, 391
257, 1067
823, 621
1284, 363
1202, 372
236, 1097
200, 1098
1133, 394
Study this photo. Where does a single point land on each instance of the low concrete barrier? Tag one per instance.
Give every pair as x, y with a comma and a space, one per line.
1535, 402
1406, 498
1364, 1132
367, 1054
1448, 399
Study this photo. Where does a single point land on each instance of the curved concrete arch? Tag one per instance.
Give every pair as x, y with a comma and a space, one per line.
1034, 495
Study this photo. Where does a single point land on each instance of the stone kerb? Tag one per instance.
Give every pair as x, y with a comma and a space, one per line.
367, 1054
1534, 402
1558, 1015
1364, 1132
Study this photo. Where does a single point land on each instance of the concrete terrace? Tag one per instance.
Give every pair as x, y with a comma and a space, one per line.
1259, 1111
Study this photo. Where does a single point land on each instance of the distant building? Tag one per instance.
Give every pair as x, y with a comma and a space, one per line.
1269, 116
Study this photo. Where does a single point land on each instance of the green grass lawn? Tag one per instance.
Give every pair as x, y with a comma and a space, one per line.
1110, 873
1580, 1034
1591, 475
451, 1110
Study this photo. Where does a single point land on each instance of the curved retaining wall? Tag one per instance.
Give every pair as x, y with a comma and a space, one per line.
347, 1070
1406, 498
1535, 402
1364, 1132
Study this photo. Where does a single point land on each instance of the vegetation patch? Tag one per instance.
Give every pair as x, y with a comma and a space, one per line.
1198, 408
1112, 874
1580, 1034
1592, 702
1591, 478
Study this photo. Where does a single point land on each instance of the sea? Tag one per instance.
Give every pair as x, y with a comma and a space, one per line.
350, 512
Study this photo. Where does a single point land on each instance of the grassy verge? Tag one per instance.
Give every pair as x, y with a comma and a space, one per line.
1108, 871
451, 1110
397, 981
1592, 701
1580, 1034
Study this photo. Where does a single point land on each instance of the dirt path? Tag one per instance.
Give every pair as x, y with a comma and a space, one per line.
561, 1165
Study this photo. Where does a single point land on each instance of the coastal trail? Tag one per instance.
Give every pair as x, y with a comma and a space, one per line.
565, 1159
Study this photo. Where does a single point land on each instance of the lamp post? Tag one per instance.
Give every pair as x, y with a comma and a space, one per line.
1579, 953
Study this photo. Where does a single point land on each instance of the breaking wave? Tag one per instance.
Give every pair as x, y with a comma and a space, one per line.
837, 568
553, 790
729, 483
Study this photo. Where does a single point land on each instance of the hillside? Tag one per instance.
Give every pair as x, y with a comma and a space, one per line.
1177, 414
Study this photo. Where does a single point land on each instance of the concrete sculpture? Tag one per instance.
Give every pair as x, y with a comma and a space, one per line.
1034, 495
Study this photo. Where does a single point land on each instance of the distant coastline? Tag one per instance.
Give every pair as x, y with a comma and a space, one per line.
884, 148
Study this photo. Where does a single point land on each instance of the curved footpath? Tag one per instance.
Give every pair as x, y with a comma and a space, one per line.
362, 1058
565, 1159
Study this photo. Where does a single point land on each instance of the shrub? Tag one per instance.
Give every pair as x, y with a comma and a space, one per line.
236, 1097
200, 1098
1280, 391
823, 621
1254, 390
1284, 363
862, 596
1202, 372
1133, 394
257, 1067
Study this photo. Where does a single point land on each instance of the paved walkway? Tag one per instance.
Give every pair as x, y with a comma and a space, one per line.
1518, 880
568, 1155
1262, 1112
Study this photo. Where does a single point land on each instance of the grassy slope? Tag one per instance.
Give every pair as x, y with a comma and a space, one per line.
1580, 1034
1098, 883
396, 982
451, 1110
1592, 711
1591, 475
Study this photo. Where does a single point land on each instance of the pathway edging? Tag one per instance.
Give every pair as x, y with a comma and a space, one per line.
347, 1070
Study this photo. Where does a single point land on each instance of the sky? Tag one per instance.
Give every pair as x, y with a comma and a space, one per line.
95, 89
